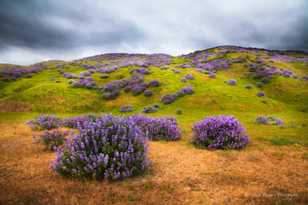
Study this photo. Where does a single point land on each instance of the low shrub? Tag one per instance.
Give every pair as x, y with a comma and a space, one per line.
110, 148
53, 139
164, 128
126, 108
219, 132
232, 82
269, 120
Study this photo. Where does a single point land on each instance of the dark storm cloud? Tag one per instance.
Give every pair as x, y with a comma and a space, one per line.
35, 30
55, 25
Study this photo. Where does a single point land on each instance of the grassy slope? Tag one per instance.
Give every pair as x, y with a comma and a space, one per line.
286, 98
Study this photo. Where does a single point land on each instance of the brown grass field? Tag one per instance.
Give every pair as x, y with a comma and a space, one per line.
179, 174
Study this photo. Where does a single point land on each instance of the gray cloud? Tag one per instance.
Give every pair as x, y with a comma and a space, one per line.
36, 30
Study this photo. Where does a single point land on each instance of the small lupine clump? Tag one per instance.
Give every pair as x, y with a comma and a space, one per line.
262, 120
143, 71
269, 120
87, 82
148, 93
138, 89
69, 75
168, 99
219, 132
164, 128
150, 109
126, 108
189, 77
232, 82
176, 71
154, 83
45, 122
53, 139
110, 148
261, 94
188, 90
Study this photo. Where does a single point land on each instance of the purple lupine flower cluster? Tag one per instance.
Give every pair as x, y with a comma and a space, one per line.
87, 82
164, 128
107, 69
110, 148
85, 74
13, 73
148, 93
287, 58
53, 139
135, 84
219, 132
78, 121
231, 82
269, 120
261, 94
69, 75
142, 71
45, 122
150, 108
126, 108
123, 60
170, 98
187, 77
154, 83
112, 89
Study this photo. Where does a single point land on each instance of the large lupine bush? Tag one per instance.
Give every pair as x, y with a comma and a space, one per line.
110, 148
219, 132
45, 122
164, 128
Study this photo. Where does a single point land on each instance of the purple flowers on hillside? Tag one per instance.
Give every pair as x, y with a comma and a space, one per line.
170, 98
232, 82
261, 94
150, 108
13, 73
126, 108
219, 132
84, 83
164, 128
45, 122
269, 120
110, 148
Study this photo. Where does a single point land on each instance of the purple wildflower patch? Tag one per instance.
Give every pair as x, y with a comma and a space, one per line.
110, 148
219, 132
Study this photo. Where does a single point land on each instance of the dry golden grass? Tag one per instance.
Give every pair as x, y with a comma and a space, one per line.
179, 174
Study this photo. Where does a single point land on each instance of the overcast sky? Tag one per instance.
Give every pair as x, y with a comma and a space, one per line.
36, 30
